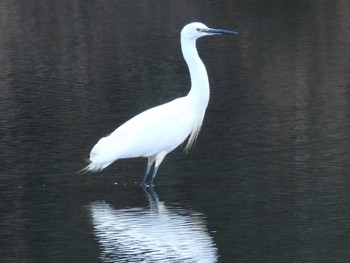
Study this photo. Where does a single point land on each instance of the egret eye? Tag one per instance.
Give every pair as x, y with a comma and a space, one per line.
199, 30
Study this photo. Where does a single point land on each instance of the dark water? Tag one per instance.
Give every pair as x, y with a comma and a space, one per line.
268, 179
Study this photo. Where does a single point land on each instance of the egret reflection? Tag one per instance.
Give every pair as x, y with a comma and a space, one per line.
156, 233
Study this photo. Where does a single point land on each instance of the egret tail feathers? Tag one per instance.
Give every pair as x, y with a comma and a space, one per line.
92, 167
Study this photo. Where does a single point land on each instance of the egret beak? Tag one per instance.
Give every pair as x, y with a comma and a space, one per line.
214, 31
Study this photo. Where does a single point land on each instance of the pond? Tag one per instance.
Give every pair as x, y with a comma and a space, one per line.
266, 181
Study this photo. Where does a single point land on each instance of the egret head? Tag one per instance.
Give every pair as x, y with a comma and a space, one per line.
196, 30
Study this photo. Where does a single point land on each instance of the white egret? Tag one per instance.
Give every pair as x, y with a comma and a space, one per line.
157, 131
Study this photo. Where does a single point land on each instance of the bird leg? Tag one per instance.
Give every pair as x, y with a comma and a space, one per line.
151, 160
153, 175
159, 158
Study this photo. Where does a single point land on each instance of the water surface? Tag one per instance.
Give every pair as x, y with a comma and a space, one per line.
268, 179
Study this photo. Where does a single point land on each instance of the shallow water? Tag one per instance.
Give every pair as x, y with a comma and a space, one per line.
268, 178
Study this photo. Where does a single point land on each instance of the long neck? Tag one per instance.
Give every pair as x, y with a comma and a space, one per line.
199, 93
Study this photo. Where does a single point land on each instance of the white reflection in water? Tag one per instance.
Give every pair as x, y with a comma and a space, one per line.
154, 234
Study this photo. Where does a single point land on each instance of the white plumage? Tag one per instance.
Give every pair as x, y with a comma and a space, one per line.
157, 131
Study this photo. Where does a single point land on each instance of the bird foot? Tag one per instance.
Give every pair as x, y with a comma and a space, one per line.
144, 185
